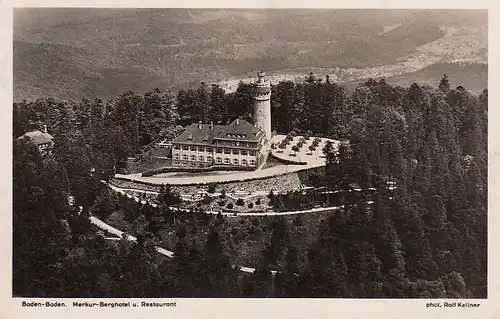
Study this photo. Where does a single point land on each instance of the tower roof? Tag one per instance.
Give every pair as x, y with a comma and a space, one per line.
261, 79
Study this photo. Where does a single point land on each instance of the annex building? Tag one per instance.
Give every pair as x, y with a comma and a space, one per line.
42, 140
237, 144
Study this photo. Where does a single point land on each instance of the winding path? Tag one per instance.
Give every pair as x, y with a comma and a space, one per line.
271, 213
170, 254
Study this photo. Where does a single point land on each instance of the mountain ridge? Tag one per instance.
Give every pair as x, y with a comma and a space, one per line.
77, 53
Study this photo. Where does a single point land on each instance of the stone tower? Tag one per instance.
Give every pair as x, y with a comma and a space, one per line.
262, 105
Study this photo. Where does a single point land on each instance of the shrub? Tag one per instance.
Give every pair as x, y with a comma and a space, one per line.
230, 206
295, 148
240, 202
196, 170
258, 201
222, 194
222, 203
255, 221
250, 205
300, 144
212, 187
206, 200
298, 221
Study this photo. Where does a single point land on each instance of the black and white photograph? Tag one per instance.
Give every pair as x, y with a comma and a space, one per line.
173, 153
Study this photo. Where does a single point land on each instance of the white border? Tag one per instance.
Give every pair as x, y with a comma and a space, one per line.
251, 308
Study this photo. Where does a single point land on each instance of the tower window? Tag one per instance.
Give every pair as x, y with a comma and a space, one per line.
236, 162
218, 160
227, 161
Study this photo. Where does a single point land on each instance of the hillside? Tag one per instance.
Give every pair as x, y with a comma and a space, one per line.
75, 53
472, 76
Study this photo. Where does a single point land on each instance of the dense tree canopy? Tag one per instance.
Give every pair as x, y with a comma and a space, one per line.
426, 238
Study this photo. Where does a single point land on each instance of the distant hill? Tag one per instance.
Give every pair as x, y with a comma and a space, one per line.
472, 76
76, 53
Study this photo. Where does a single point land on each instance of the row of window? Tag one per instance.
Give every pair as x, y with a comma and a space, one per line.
205, 149
234, 143
217, 150
234, 152
218, 160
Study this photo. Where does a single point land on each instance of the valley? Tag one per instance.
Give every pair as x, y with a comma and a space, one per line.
104, 54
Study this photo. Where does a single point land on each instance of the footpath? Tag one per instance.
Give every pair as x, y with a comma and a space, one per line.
170, 254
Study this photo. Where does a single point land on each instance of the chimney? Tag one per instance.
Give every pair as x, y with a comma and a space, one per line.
45, 128
211, 125
237, 121
199, 125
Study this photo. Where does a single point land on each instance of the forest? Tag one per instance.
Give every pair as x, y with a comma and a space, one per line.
428, 239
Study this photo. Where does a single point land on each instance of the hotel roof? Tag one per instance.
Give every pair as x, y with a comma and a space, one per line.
238, 130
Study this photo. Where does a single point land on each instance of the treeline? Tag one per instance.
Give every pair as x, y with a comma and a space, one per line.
428, 240
433, 145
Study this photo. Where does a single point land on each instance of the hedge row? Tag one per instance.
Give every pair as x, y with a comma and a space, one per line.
207, 183
285, 161
196, 170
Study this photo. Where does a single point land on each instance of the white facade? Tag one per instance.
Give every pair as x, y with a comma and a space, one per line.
202, 156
